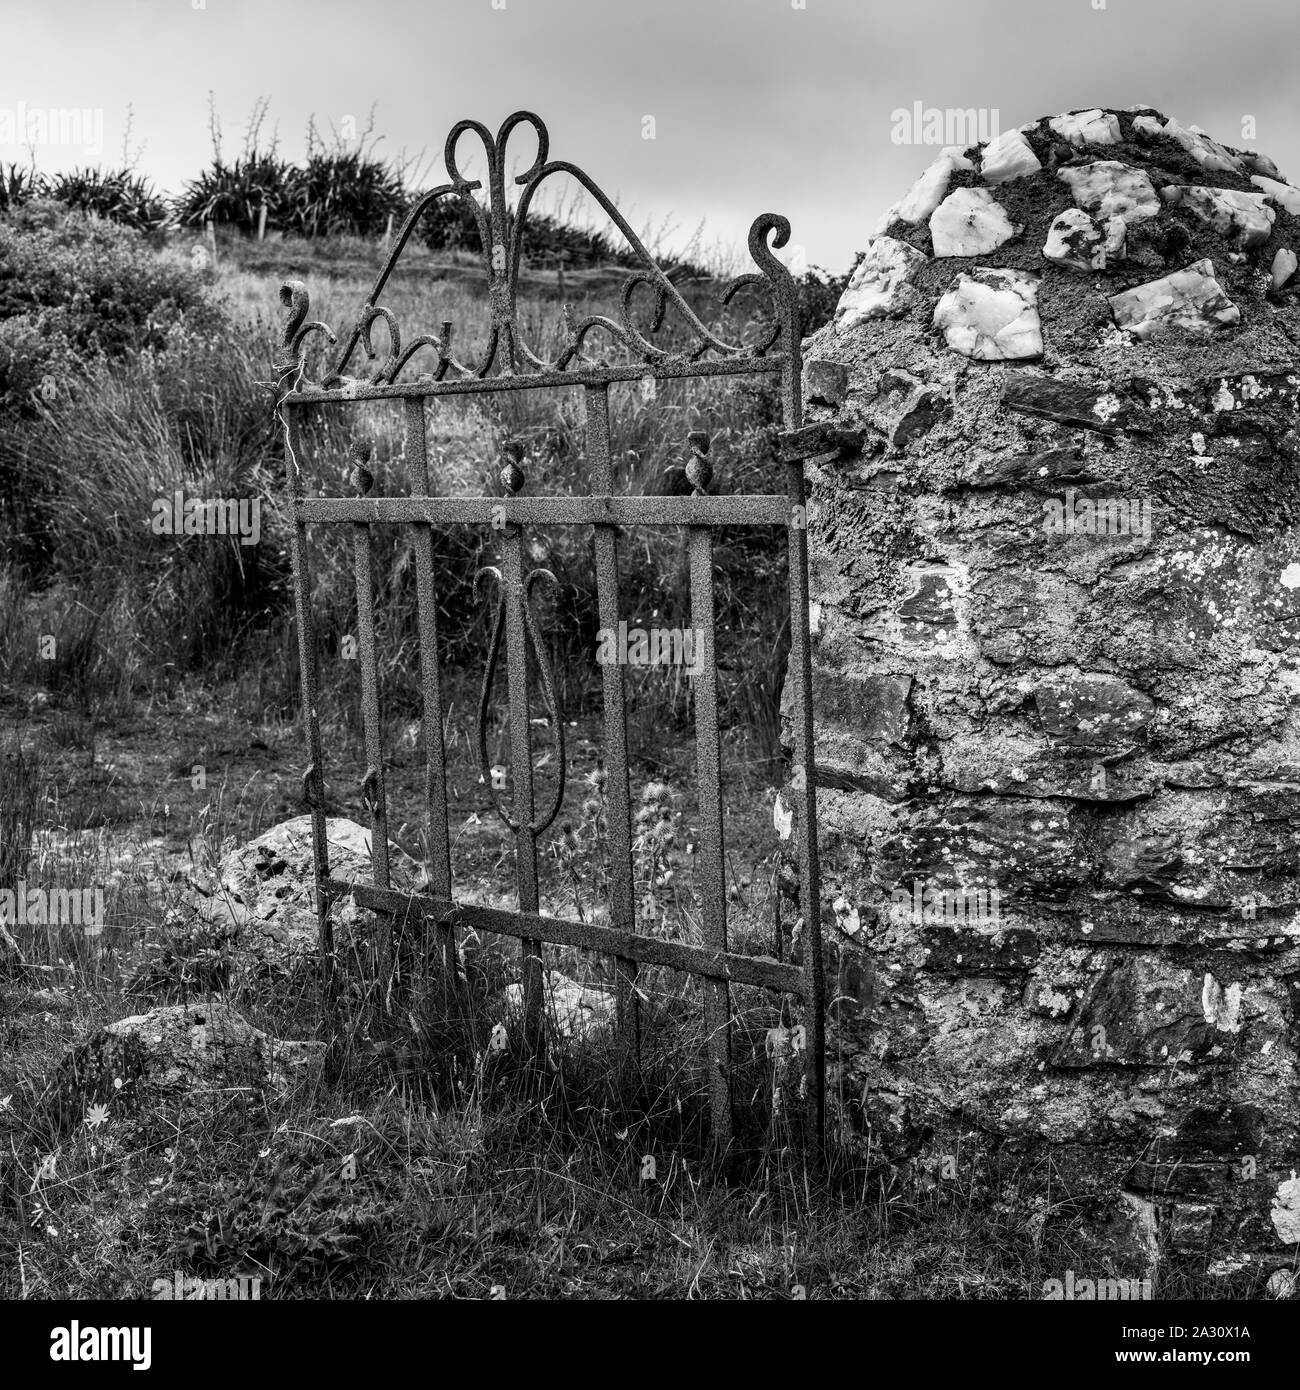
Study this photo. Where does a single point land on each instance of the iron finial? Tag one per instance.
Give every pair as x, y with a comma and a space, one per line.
361, 479
699, 471
512, 475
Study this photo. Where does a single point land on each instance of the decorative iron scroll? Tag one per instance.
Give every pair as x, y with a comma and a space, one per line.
503, 235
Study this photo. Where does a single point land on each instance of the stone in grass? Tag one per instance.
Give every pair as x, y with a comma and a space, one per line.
880, 286
197, 1054
575, 1010
1079, 242
970, 222
1190, 299
1243, 216
992, 316
1283, 268
1008, 156
266, 888
1108, 188
1282, 194
1095, 127
927, 192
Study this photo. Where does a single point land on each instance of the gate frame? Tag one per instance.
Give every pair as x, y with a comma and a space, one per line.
502, 235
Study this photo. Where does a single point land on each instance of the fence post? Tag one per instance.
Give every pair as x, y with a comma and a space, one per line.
261, 223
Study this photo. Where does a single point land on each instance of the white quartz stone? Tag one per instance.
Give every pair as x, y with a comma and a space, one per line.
1095, 127
1209, 154
1245, 216
1281, 193
1261, 164
927, 192
1078, 242
879, 285
1148, 127
1191, 298
970, 222
1008, 156
1110, 189
992, 315
1284, 267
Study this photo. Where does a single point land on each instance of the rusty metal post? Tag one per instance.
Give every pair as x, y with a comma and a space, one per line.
372, 786
521, 770
804, 774
617, 789
437, 832
708, 754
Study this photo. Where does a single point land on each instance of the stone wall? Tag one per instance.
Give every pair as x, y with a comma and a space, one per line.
1056, 583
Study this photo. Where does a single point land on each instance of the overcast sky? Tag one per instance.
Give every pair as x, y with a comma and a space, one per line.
782, 105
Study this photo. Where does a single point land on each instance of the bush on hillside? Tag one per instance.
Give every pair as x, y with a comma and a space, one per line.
116, 194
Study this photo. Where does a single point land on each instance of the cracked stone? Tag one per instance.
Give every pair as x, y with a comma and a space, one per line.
992, 316
1282, 194
1095, 127
1190, 1224
1209, 154
1111, 189
1284, 267
922, 410
1261, 164
1244, 216
927, 192
881, 283
970, 222
1191, 298
828, 382
1071, 403
1008, 156
1078, 242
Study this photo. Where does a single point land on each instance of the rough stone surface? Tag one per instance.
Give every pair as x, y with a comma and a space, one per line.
1102, 724
1080, 242
1008, 156
1243, 216
575, 1010
1087, 127
265, 890
1107, 188
969, 222
991, 315
879, 286
192, 1055
1191, 300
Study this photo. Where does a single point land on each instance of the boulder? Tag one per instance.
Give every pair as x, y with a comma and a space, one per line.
265, 890
188, 1055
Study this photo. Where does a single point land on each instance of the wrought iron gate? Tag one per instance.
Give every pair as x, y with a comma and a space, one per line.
508, 363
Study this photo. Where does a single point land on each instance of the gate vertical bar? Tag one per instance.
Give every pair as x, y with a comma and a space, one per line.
372, 787
521, 765
313, 779
437, 836
804, 777
617, 789
717, 997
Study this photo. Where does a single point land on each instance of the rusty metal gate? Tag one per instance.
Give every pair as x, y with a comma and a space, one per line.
508, 363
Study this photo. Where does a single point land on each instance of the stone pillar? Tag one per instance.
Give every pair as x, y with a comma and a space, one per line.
1056, 583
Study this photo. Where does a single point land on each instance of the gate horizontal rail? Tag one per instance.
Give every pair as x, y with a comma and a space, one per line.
763, 971
752, 509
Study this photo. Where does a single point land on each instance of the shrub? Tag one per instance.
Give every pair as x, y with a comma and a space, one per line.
118, 195
17, 186
233, 195
345, 194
